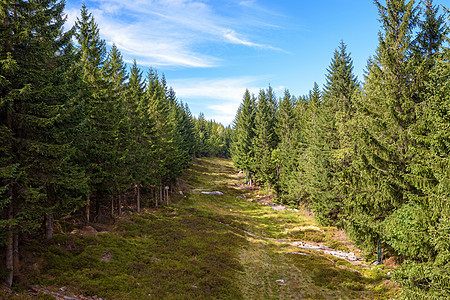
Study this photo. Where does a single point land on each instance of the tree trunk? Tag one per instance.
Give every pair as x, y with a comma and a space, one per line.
9, 258
88, 210
120, 205
10, 244
10, 234
16, 259
49, 226
138, 198
112, 205
167, 196
156, 197
161, 197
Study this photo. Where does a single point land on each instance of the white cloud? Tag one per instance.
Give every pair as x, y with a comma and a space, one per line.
72, 15
172, 32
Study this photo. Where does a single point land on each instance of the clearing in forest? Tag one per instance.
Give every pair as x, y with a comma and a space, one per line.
227, 245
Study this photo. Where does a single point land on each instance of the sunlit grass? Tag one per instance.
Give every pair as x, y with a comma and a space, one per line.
208, 247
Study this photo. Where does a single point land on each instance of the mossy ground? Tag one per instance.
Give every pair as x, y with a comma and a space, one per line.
199, 248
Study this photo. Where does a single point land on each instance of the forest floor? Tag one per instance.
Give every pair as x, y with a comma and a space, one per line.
235, 245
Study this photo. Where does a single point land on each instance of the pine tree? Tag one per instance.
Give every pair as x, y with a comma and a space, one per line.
188, 130
426, 273
98, 143
202, 135
329, 143
425, 237
263, 141
244, 132
115, 75
159, 107
286, 156
93, 48
386, 114
37, 124
139, 152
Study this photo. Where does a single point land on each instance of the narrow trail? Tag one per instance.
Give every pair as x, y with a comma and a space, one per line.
286, 256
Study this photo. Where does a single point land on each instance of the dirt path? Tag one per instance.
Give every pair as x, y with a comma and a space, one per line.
286, 255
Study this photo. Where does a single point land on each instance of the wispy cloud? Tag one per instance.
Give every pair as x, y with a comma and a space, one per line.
175, 32
232, 37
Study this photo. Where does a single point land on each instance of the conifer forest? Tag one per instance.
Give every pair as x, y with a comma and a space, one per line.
87, 138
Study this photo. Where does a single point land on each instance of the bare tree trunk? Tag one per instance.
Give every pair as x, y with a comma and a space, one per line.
120, 205
156, 196
88, 209
138, 198
49, 226
167, 196
161, 197
16, 259
10, 244
9, 258
112, 205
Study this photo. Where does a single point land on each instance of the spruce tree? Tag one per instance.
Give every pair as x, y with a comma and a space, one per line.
159, 107
98, 143
115, 75
37, 125
244, 132
385, 116
286, 156
263, 141
139, 152
425, 237
330, 141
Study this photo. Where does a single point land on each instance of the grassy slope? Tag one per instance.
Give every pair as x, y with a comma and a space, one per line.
198, 248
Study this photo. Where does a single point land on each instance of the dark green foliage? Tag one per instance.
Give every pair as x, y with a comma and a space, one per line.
76, 130
428, 274
330, 138
39, 178
264, 141
386, 114
212, 139
374, 159
286, 156
244, 131
36, 113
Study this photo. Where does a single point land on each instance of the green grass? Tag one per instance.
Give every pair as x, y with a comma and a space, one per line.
197, 248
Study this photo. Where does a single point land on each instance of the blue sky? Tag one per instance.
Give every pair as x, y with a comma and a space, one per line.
211, 51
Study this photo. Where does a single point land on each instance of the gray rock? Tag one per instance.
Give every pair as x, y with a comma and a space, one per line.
213, 193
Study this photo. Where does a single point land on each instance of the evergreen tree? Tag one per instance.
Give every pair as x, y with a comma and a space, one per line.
386, 114
329, 143
180, 156
202, 135
159, 107
188, 130
425, 220
37, 125
244, 132
140, 128
286, 158
92, 47
115, 75
263, 141
426, 223
98, 145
